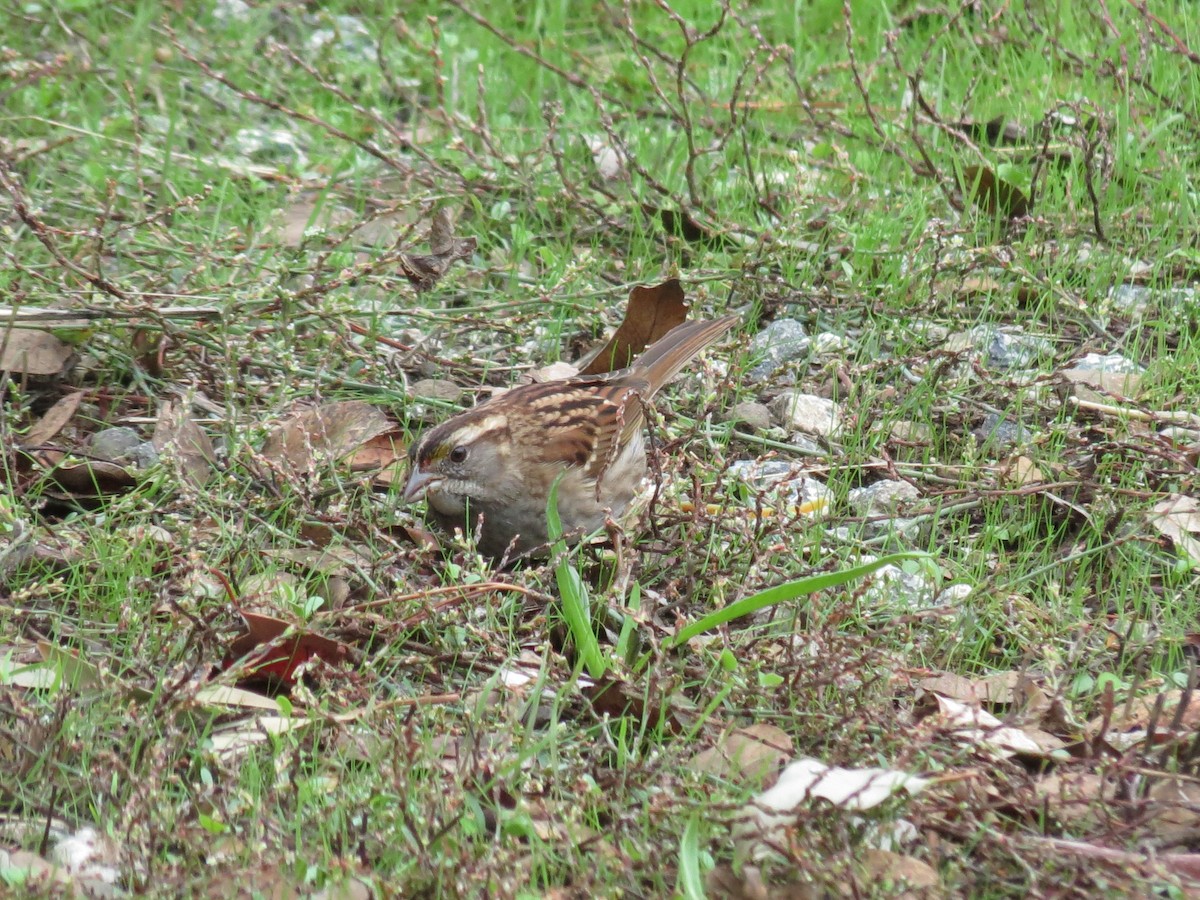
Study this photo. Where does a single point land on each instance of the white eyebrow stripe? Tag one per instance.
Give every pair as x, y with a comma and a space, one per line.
473, 431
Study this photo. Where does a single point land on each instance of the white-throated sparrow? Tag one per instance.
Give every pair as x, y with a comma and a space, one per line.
494, 465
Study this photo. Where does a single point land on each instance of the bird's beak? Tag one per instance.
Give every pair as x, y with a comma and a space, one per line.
418, 481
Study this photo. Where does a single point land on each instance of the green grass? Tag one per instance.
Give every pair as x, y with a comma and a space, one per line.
275, 168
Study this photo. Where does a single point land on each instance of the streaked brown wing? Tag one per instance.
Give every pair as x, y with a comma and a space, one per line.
579, 423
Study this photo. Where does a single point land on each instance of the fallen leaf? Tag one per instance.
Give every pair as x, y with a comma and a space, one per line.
1178, 518
1163, 710
753, 753
89, 479
682, 225
228, 695
994, 131
723, 883
31, 352
186, 441
884, 866
309, 211
323, 435
1172, 810
1075, 799
763, 822
651, 313
992, 194
54, 420
980, 728
424, 271
272, 650
233, 740
77, 674
381, 454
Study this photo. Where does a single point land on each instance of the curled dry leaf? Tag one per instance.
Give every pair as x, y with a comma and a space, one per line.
383, 454
992, 194
763, 822
1178, 518
55, 420
271, 650
651, 312
426, 270
683, 225
176, 435
995, 131
980, 728
27, 351
87, 480
323, 435
753, 753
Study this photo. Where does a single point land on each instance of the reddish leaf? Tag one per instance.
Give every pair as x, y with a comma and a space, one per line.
650, 314
267, 653
993, 194
682, 225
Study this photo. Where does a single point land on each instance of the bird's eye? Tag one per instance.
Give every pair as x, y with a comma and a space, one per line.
458, 454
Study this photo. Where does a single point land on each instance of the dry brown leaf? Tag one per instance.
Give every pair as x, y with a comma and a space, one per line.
268, 652
995, 131
1075, 799
680, 224
308, 210
978, 727
754, 753
28, 351
1020, 471
381, 454
1178, 518
91, 479
426, 270
884, 866
188, 442
320, 436
1122, 384
54, 420
651, 313
992, 194
1136, 715
723, 883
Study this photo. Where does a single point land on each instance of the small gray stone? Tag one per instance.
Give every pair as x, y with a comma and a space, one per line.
893, 587
114, 444
1137, 299
754, 416
268, 146
347, 34
805, 445
882, 497
1001, 348
122, 446
1177, 434
782, 482
807, 413
912, 432
1000, 433
1108, 362
1109, 372
231, 12
778, 344
954, 595
436, 389
829, 342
